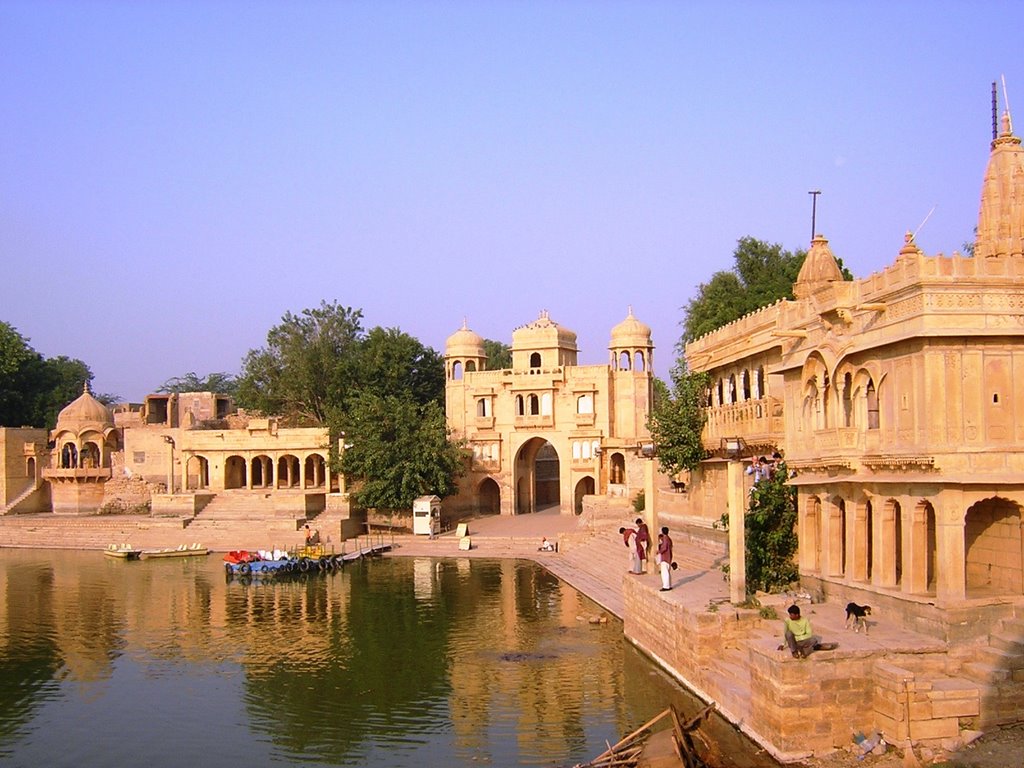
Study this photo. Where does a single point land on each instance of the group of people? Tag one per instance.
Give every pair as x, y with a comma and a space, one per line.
764, 468
638, 543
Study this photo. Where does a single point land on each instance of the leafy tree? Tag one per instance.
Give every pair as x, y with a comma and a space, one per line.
221, 383
770, 532
499, 355
34, 389
307, 366
762, 274
393, 363
22, 380
398, 449
677, 418
383, 390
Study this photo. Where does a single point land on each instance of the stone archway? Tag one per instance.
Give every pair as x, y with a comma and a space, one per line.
488, 497
537, 476
584, 487
992, 548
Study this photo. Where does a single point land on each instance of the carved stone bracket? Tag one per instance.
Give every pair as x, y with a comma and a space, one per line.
899, 463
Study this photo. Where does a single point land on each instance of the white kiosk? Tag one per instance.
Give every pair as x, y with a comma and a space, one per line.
426, 515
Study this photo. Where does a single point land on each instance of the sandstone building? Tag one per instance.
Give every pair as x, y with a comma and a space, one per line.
548, 431
898, 401
177, 454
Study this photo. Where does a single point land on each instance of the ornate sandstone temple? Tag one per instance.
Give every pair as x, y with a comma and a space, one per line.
548, 431
898, 403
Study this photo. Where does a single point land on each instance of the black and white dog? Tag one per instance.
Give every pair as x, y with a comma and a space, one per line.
856, 616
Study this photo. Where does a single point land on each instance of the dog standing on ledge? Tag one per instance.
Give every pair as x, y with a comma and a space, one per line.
856, 616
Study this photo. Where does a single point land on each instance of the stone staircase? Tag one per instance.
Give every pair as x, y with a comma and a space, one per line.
12, 505
997, 669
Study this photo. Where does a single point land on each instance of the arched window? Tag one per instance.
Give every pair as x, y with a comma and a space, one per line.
848, 400
585, 404
745, 384
535, 360
872, 403
457, 369
759, 383
519, 406
639, 364
534, 405
483, 407
470, 366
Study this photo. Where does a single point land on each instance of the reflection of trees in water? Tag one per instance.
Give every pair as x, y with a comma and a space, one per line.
28, 658
493, 655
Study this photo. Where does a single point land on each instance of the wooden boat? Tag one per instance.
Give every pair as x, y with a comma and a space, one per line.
683, 745
194, 550
122, 552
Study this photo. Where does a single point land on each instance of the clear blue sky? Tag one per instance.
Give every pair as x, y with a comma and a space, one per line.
175, 176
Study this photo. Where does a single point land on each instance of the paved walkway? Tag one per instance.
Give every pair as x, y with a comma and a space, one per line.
593, 559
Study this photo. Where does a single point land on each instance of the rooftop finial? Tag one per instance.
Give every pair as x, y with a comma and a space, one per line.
85, 388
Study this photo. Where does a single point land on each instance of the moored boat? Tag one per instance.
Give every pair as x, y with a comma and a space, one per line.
183, 550
122, 552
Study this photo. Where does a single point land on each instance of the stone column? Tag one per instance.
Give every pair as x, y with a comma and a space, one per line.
950, 550
857, 542
736, 500
915, 547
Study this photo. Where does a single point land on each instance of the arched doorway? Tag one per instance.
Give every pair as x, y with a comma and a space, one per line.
234, 472
617, 466
992, 548
489, 498
538, 476
197, 473
584, 487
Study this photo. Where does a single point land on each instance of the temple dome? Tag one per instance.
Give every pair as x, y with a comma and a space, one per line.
631, 333
464, 343
543, 332
85, 413
819, 269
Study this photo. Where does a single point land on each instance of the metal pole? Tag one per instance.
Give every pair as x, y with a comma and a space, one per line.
814, 211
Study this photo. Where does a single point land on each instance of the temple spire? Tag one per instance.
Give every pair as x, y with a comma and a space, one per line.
1001, 214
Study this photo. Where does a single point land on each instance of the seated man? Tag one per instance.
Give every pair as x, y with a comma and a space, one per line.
799, 636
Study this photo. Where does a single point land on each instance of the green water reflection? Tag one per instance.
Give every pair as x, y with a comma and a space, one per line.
394, 662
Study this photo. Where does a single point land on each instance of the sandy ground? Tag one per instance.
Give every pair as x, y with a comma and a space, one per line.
1003, 748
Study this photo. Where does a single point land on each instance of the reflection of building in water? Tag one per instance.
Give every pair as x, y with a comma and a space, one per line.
423, 570
535, 685
547, 431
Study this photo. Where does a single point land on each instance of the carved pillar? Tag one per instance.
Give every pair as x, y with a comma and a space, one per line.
915, 546
884, 544
950, 554
857, 542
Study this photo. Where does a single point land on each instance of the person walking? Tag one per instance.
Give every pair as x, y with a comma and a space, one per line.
665, 559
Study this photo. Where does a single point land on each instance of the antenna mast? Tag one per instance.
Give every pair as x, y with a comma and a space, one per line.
995, 112
814, 210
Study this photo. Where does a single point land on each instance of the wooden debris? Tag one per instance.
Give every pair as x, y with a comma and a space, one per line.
691, 746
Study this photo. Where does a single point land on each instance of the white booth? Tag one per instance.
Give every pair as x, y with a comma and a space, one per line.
426, 515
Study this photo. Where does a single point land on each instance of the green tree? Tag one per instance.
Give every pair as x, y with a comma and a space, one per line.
762, 274
677, 419
65, 377
770, 532
23, 381
393, 363
499, 355
383, 390
398, 449
308, 364
221, 383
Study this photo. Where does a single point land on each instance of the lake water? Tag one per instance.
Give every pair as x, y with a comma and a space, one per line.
390, 662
